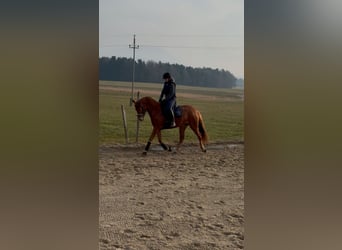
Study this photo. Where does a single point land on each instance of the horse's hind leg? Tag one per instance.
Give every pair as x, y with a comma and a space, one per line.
161, 143
199, 136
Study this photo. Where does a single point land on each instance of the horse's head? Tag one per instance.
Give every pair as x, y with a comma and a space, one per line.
140, 108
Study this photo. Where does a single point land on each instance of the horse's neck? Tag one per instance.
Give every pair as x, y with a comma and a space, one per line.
153, 108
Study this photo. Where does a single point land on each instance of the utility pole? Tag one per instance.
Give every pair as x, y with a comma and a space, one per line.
134, 47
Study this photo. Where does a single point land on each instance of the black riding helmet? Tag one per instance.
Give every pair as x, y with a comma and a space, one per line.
166, 75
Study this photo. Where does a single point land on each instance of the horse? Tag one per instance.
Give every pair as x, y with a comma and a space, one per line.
190, 117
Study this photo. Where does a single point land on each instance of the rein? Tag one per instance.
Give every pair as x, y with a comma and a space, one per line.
142, 114
148, 104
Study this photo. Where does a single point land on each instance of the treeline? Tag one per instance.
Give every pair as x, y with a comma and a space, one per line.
120, 69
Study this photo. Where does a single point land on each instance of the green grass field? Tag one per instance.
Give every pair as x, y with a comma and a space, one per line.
222, 111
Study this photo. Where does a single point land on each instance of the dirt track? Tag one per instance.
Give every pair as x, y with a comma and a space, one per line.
166, 200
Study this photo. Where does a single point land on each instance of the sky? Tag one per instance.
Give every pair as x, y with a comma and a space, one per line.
197, 33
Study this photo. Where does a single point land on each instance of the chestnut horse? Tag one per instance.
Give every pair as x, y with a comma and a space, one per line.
190, 117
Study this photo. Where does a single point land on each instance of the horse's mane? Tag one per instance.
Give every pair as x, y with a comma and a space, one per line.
147, 99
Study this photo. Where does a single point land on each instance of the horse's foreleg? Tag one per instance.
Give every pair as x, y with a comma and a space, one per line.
161, 143
181, 136
147, 147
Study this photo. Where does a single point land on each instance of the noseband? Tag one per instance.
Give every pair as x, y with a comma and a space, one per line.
142, 114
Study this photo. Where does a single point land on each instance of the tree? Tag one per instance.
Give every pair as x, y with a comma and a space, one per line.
120, 69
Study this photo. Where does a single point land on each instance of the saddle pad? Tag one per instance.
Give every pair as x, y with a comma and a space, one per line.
177, 111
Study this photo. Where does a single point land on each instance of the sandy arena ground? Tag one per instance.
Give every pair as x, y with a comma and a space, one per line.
167, 200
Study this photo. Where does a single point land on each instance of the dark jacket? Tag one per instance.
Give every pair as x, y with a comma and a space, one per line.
169, 91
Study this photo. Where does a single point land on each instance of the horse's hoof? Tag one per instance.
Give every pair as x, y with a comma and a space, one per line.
204, 150
144, 153
170, 149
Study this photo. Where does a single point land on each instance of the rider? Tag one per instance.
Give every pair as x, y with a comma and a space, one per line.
169, 92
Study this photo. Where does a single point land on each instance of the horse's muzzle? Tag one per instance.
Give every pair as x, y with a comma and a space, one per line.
140, 117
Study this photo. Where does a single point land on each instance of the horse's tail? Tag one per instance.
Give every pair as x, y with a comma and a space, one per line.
202, 130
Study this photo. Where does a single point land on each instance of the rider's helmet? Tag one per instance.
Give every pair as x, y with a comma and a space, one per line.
166, 75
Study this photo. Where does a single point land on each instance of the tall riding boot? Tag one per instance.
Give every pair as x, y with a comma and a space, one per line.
172, 120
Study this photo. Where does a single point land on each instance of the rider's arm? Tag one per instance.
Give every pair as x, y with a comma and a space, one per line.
171, 91
162, 93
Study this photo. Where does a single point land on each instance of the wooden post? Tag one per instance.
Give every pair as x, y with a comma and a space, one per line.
124, 122
137, 132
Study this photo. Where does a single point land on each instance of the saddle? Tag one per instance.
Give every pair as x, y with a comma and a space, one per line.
177, 110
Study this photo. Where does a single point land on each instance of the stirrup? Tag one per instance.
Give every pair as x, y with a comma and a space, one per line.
169, 125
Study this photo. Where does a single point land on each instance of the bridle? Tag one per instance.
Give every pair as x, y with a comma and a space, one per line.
142, 114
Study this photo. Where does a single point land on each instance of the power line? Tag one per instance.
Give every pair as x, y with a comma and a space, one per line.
187, 47
113, 45
176, 35
174, 47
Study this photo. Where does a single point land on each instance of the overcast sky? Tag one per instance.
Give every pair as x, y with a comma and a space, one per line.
198, 33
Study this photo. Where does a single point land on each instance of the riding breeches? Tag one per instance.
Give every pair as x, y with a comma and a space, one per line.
168, 109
